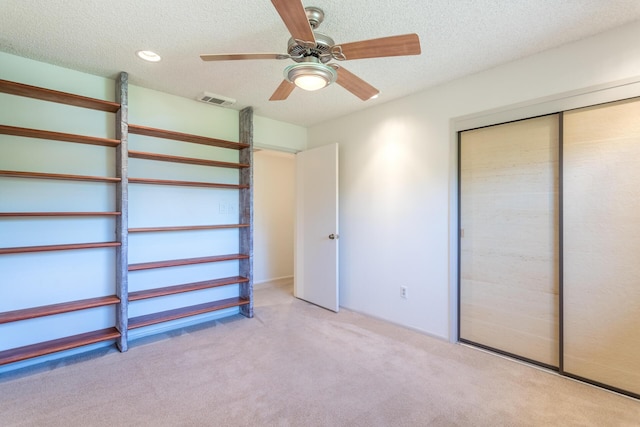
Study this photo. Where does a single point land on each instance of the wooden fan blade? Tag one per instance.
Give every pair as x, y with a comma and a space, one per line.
283, 91
295, 18
356, 85
242, 56
407, 44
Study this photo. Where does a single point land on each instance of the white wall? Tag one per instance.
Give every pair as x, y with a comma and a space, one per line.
398, 172
273, 201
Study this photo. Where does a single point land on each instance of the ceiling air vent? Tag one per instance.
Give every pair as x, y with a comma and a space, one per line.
212, 98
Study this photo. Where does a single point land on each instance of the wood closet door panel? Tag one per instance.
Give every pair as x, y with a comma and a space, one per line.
601, 232
509, 242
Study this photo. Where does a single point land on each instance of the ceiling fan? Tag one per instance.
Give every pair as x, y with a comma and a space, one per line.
312, 51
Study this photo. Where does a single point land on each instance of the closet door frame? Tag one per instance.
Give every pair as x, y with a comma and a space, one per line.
569, 105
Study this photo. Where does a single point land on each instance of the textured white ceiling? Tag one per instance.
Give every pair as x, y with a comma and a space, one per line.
458, 37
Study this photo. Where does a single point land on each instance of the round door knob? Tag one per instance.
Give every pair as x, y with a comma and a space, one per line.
333, 236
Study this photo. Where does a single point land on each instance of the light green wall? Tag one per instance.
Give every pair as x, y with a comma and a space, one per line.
280, 136
23, 70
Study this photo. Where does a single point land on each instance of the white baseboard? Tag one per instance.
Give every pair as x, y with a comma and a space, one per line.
272, 282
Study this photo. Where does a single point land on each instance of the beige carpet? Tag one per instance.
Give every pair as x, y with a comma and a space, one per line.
295, 364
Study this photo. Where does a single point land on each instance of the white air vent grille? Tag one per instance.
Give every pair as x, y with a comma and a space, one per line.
212, 98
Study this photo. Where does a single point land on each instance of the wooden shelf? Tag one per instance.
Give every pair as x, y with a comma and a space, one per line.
48, 248
64, 177
179, 313
153, 181
188, 160
48, 310
184, 137
187, 287
58, 136
20, 214
186, 228
185, 261
48, 347
21, 89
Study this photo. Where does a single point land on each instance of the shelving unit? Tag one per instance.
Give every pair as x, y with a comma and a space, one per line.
242, 186
91, 337
121, 297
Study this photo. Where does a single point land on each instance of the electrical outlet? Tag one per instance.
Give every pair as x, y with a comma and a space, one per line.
403, 292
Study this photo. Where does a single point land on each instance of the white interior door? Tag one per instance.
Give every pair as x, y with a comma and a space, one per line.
316, 252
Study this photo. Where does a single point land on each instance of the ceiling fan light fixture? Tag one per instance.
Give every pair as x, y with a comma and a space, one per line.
310, 76
310, 82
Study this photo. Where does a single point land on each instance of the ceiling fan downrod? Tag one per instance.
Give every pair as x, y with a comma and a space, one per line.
315, 15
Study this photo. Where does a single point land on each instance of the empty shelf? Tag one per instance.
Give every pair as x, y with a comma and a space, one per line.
184, 137
48, 248
179, 313
186, 228
58, 136
185, 183
48, 347
187, 160
45, 175
185, 261
21, 89
48, 310
187, 287
62, 214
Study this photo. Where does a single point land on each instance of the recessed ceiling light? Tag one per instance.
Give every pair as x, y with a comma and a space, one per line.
148, 55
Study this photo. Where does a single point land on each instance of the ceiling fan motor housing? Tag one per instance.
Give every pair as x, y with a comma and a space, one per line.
322, 49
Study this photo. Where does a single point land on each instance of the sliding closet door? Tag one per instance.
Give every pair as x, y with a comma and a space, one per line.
601, 235
509, 238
